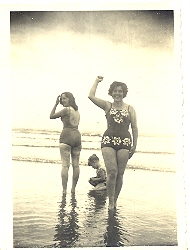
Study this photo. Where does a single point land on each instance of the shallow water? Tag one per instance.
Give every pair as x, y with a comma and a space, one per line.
153, 153
145, 214
42, 217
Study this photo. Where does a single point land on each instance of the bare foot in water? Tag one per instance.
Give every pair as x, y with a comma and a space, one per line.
111, 211
111, 207
64, 192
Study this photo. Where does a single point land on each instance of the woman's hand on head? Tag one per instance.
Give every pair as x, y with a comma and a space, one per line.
58, 100
99, 78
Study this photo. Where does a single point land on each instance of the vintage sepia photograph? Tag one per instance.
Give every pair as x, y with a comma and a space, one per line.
96, 128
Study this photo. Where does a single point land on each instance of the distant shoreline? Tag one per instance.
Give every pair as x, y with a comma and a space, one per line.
85, 132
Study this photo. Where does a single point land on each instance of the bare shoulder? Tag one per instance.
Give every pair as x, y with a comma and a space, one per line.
66, 110
128, 107
131, 108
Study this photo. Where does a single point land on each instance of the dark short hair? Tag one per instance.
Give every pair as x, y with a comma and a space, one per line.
116, 84
72, 102
92, 158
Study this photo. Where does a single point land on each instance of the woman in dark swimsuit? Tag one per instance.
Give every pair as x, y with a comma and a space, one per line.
117, 144
70, 138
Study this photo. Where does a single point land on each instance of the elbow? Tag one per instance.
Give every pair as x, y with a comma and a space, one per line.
90, 97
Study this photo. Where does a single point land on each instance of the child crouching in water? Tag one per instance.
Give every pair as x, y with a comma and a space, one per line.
99, 182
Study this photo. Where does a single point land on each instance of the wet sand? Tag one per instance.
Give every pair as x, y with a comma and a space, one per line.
43, 217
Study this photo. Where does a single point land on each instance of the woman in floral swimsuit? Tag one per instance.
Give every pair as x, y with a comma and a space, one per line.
117, 143
117, 135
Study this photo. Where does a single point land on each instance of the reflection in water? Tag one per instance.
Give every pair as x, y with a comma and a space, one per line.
99, 199
114, 233
114, 236
67, 228
99, 228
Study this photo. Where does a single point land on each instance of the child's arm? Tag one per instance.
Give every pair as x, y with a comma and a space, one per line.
101, 172
100, 176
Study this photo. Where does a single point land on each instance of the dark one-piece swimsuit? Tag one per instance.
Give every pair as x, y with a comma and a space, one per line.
70, 134
117, 135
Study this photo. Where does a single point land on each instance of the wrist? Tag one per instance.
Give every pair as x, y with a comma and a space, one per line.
97, 81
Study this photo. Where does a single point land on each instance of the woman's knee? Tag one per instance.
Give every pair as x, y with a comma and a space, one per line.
120, 176
75, 167
65, 169
112, 174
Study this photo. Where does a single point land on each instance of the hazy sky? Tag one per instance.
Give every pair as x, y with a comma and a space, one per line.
53, 52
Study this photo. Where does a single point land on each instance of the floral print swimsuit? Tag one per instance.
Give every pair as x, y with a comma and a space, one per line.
117, 135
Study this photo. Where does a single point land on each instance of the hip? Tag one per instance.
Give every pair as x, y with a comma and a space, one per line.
116, 139
70, 136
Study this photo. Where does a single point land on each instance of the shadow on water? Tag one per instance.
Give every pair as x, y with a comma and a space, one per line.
67, 228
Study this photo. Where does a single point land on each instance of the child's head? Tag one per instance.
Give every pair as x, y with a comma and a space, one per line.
93, 161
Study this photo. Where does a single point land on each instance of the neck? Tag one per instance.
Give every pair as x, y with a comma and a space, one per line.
118, 104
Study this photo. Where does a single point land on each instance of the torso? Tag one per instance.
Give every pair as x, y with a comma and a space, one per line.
70, 134
117, 135
101, 169
71, 118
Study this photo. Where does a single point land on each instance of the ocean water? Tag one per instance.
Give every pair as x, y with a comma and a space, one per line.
43, 217
43, 146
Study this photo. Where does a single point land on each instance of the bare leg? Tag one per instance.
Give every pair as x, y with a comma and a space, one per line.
109, 155
75, 154
122, 159
65, 151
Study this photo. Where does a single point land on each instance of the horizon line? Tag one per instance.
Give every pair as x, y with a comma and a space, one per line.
93, 132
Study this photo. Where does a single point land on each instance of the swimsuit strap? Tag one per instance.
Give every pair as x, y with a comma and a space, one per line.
127, 108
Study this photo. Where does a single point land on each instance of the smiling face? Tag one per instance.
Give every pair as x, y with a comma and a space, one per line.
64, 100
117, 93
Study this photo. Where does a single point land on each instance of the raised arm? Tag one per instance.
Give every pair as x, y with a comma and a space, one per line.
97, 101
54, 115
134, 129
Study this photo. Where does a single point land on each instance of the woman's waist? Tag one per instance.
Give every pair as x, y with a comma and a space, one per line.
68, 130
70, 127
114, 131
118, 128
